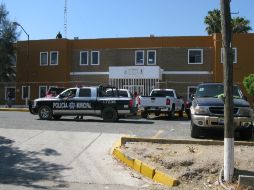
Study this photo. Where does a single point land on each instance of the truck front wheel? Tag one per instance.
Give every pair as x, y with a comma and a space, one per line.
194, 130
109, 114
246, 135
45, 113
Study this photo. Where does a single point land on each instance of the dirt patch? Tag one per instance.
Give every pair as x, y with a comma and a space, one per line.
195, 166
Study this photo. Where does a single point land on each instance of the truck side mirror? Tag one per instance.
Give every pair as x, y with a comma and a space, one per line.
192, 96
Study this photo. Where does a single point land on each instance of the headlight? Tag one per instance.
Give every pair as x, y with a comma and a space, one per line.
201, 110
247, 112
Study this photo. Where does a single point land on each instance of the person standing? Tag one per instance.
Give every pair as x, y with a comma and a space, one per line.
9, 99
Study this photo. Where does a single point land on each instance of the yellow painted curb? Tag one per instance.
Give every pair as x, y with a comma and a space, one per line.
165, 179
119, 154
137, 165
147, 170
15, 109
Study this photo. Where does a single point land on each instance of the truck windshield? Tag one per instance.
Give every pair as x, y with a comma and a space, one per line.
162, 93
214, 90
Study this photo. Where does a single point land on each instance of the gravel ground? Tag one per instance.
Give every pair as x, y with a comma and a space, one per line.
195, 166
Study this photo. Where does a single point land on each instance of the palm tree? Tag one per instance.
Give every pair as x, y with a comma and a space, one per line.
213, 23
213, 20
240, 25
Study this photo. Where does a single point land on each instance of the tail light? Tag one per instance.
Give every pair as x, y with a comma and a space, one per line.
167, 101
130, 103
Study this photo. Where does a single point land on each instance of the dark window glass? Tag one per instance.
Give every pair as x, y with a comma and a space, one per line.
195, 56
95, 58
85, 93
84, 58
162, 93
139, 57
151, 57
54, 58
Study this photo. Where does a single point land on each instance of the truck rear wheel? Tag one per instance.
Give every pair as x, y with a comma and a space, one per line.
194, 130
171, 113
109, 114
45, 113
144, 114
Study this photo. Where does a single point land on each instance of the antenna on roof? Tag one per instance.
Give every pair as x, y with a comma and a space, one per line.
65, 18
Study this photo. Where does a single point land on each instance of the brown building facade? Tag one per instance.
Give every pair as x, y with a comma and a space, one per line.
138, 64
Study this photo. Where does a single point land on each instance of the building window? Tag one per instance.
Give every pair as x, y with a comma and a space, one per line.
195, 56
139, 57
42, 91
95, 58
10, 91
25, 92
234, 54
83, 58
151, 57
191, 91
43, 58
54, 58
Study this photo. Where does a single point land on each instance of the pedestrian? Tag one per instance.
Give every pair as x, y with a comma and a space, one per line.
8, 100
59, 35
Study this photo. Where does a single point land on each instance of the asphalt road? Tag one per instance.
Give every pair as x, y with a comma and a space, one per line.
69, 154
159, 127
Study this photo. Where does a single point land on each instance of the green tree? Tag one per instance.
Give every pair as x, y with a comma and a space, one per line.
248, 83
8, 36
213, 23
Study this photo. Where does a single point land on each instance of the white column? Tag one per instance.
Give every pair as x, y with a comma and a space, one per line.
228, 158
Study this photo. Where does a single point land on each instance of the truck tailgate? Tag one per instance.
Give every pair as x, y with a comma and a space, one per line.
152, 101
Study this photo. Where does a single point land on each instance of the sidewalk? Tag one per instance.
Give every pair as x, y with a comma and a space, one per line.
34, 159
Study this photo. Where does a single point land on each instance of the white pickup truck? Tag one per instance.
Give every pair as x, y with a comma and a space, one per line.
161, 101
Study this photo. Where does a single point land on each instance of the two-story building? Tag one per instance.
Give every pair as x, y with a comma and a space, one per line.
138, 64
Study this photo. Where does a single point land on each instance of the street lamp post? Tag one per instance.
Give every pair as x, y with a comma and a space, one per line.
17, 24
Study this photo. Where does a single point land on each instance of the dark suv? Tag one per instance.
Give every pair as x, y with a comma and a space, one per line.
207, 110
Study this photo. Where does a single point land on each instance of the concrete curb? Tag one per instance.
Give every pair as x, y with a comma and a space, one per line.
141, 167
151, 172
15, 109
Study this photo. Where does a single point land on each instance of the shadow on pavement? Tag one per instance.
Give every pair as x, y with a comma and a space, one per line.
134, 121
25, 168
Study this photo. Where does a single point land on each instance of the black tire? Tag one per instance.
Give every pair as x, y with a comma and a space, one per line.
109, 114
187, 111
180, 113
144, 114
171, 113
194, 130
45, 113
57, 117
246, 135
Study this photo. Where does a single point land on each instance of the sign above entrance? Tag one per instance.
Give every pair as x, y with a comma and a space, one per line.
135, 72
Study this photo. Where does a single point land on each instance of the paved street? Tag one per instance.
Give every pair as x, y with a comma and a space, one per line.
69, 154
157, 127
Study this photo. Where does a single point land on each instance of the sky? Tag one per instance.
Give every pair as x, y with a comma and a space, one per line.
89, 19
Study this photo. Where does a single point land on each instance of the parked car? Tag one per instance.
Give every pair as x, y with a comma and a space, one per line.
207, 110
54, 91
161, 101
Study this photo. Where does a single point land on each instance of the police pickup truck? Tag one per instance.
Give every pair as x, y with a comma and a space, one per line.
84, 101
207, 110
